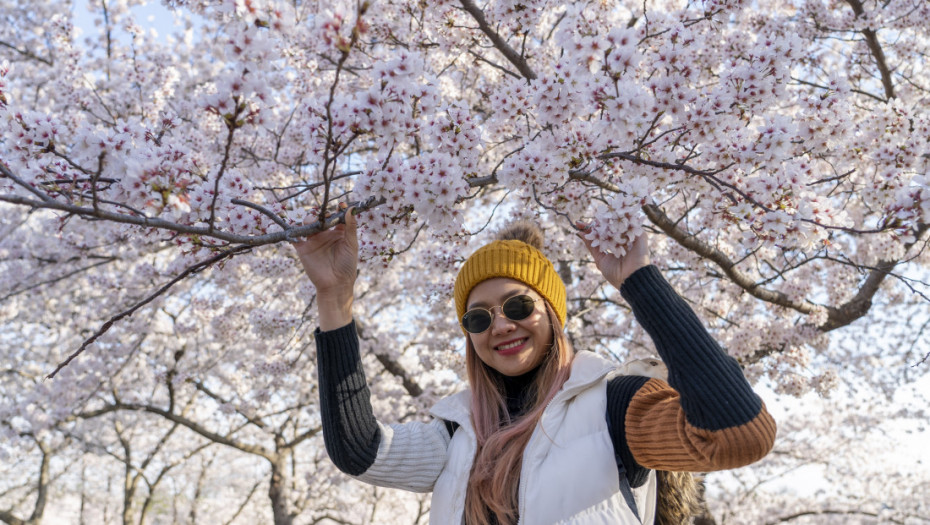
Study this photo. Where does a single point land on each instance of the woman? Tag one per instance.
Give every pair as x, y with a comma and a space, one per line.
543, 435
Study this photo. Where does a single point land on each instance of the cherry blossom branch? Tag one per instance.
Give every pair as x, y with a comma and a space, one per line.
245, 502
95, 178
837, 316
875, 48
920, 334
26, 53
860, 304
151, 492
300, 438
197, 428
306, 186
509, 53
42, 483
105, 260
329, 160
29, 187
828, 88
232, 125
152, 222
825, 512
711, 177
493, 64
398, 371
197, 268
705, 250
263, 210
219, 399
44, 474
395, 369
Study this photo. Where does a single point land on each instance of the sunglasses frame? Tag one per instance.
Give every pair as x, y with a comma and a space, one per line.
490, 312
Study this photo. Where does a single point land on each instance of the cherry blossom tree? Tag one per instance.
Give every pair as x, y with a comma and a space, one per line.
157, 332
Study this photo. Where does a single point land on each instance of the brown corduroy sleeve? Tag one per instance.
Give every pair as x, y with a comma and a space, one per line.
660, 437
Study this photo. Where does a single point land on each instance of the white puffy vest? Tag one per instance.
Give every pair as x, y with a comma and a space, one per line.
569, 473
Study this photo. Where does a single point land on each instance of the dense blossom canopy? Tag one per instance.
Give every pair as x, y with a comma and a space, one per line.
149, 184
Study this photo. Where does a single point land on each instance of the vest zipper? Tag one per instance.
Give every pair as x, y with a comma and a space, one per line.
521, 500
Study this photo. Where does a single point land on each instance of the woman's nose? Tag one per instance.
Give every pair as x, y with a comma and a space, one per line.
500, 323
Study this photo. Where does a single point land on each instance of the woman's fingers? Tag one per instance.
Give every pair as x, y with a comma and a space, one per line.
351, 227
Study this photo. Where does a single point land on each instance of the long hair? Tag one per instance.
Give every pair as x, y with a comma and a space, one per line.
678, 498
494, 481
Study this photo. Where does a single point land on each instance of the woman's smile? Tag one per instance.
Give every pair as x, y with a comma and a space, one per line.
511, 347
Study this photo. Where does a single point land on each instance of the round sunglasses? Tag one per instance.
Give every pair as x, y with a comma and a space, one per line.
517, 308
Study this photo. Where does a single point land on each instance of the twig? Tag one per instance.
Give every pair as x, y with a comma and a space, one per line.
263, 210
509, 53
875, 48
493, 64
920, 333
54, 280
330, 143
28, 54
660, 219
197, 268
231, 122
147, 222
7, 173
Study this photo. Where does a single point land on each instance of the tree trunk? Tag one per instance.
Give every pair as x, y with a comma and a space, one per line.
277, 491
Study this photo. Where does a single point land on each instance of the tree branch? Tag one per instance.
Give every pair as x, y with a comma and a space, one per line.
859, 305
509, 53
871, 39
197, 268
691, 242
257, 450
232, 126
27, 54
825, 512
161, 224
394, 368
105, 260
493, 64
263, 210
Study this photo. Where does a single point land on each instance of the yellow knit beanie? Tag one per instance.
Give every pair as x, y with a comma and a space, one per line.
516, 260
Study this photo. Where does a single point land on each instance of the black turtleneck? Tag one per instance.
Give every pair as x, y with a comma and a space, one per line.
518, 391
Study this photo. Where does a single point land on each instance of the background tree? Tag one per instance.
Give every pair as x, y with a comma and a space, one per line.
149, 184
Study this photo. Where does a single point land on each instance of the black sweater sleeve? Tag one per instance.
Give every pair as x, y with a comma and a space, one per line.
350, 430
714, 394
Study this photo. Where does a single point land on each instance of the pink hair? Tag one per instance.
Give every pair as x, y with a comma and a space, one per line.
494, 481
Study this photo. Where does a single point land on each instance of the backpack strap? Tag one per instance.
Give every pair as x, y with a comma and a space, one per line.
649, 367
625, 488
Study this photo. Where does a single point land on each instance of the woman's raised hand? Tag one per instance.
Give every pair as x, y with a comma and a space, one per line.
330, 260
617, 269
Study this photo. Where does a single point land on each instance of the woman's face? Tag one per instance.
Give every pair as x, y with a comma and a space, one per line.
510, 347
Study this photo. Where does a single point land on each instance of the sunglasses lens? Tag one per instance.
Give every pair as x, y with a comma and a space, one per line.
518, 307
476, 321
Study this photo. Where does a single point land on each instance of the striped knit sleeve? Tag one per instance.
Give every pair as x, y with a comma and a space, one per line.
620, 391
707, 416
350, 431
